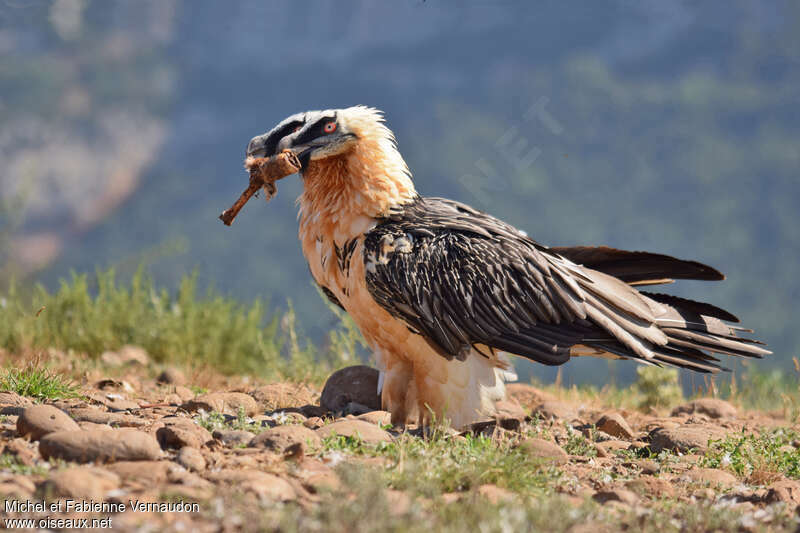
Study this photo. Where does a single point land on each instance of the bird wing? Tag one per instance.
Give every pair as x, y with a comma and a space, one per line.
460, 277
637, 268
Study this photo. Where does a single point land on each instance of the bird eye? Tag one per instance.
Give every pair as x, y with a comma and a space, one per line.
330, 127
296, 129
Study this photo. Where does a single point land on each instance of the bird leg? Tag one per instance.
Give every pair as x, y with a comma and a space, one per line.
264, 172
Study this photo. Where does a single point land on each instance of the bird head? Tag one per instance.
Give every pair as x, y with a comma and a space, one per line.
345, 154
318, 135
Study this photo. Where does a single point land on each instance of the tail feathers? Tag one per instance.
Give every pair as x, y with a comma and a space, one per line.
693, 331
725, 344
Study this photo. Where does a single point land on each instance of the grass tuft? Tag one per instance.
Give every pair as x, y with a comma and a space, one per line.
35, 382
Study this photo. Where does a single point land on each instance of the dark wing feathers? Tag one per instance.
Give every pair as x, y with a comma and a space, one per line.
639, 268
460, 277
690, 309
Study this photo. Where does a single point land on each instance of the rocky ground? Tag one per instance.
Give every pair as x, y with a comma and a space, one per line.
284, 456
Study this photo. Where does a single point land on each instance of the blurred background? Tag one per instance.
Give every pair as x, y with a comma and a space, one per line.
671, 127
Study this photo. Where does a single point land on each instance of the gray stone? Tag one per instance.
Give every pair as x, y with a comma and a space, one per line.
354, 384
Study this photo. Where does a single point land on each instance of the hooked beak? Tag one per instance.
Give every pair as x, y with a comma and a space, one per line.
265, 146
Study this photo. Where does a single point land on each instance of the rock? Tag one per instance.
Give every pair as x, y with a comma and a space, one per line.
178, 432
114, 384
181, 476
649, 468
82, 446
711, 407
233, 437
614, 425
607, 448
684, 438
399, 501
316, 422
92, 426
451, 497
510, 409
527, 395
147, 473
263, 485
171, 376
127, 355
317, 476
624, 496
281, 437
279, 418
784, 491
173, 399
16, 486
22, 450
551, 409
283, 395
495, 494
711, 476
82, 482
651, 486
114, 401
311, 411
191, 459
379, 418
354, 384
369, 433
184, 393
39, 420
705, 494
96, 416
12, 403
543, 449
229, 403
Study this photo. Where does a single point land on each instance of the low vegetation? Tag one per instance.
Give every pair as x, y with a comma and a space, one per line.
91, 315
761, 458
35, 382
436, 481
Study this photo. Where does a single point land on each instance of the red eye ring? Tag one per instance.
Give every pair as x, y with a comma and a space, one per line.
330, 127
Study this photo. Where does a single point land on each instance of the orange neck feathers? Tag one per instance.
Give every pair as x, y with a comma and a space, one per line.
366, 181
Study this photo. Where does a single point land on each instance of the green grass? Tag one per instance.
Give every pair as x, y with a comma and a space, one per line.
440, 463
40, 383
93, 314
10, 464
217, 421
757, 457
577, 444
362, 504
